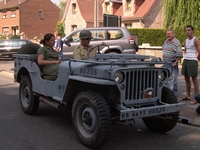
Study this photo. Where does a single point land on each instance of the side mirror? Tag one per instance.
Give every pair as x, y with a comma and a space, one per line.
67, 42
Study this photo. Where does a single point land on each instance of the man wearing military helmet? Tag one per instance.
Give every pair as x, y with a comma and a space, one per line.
82, 51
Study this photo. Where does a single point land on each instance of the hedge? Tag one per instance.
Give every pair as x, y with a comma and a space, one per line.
156, 37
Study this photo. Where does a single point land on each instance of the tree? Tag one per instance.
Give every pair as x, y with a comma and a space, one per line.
60, 26
62, 6
180, 13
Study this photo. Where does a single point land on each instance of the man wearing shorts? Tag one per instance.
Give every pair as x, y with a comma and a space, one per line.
190, 63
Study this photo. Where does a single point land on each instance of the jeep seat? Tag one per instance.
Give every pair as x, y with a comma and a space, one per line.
41, 73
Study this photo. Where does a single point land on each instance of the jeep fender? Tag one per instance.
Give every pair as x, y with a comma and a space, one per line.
77, 84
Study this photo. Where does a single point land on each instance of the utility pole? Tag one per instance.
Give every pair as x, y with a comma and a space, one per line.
96, 13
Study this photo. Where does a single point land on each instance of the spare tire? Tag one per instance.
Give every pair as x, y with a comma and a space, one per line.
30, 48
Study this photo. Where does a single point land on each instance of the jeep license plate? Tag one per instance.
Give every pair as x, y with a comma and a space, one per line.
143, 113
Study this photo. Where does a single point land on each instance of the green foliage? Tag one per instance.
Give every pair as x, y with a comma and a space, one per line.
156, 37
62, 6
180, 13
60, 26
15, 37
2, 37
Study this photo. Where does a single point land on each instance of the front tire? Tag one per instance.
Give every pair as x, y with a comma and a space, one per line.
29, 103
166, 122
91, 118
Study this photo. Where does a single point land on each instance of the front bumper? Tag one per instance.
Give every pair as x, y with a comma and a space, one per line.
149, 111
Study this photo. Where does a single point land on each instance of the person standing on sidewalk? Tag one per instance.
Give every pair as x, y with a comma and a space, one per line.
59, 43
190, 63
172, 53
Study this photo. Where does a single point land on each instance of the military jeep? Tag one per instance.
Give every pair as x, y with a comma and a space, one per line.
100, 91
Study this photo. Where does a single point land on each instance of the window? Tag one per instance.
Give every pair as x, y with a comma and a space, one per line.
74, 27
98, 35
5, 30
12, 14
107, 7
128, 26
74, 8
4, 43
114, 34
4, 16
128, 5
40, 15
74, 37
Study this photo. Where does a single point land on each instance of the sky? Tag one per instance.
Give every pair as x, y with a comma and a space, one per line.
57, 1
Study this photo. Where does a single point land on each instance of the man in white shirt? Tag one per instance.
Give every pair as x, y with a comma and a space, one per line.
190, 63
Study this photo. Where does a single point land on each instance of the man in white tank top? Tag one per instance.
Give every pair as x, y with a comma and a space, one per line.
190, 63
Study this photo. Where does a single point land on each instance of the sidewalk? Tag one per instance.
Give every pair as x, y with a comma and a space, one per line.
187, 116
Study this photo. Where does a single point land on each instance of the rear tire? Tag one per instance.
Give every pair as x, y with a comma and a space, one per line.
168, 121
29, 103
91, 118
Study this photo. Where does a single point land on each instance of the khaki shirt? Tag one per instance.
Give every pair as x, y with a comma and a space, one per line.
81, 52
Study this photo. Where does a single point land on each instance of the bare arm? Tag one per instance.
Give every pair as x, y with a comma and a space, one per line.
197, 44
57, 49
43, 62
184, 47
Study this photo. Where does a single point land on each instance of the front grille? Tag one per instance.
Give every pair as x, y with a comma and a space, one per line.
137, 81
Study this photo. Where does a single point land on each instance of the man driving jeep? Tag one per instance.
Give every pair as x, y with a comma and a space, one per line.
83, 50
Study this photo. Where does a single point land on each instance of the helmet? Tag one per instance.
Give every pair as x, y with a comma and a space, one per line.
85, 34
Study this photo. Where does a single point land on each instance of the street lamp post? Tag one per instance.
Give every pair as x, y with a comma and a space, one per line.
96, 15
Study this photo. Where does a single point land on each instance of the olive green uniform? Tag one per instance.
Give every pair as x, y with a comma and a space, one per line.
49, 54
81, 52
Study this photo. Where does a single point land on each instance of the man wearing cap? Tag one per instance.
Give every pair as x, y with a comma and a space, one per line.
82, 51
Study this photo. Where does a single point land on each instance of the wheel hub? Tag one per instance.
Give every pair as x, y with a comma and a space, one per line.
87, 119
26, 94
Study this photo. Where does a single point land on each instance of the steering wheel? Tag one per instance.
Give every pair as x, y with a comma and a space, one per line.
102, 44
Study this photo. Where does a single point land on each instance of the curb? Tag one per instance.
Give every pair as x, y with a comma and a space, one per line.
189, 115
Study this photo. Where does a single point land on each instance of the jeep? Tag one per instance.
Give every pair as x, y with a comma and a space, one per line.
109, 88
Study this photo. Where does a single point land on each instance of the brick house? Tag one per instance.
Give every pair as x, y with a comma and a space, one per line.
134, 13
28, 18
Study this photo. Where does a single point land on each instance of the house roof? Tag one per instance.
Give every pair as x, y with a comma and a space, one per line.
87, 14
11, 4
119, 12
87, 9
143, 10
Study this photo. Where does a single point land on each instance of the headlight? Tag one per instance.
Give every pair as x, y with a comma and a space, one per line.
162, 76
119, 77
